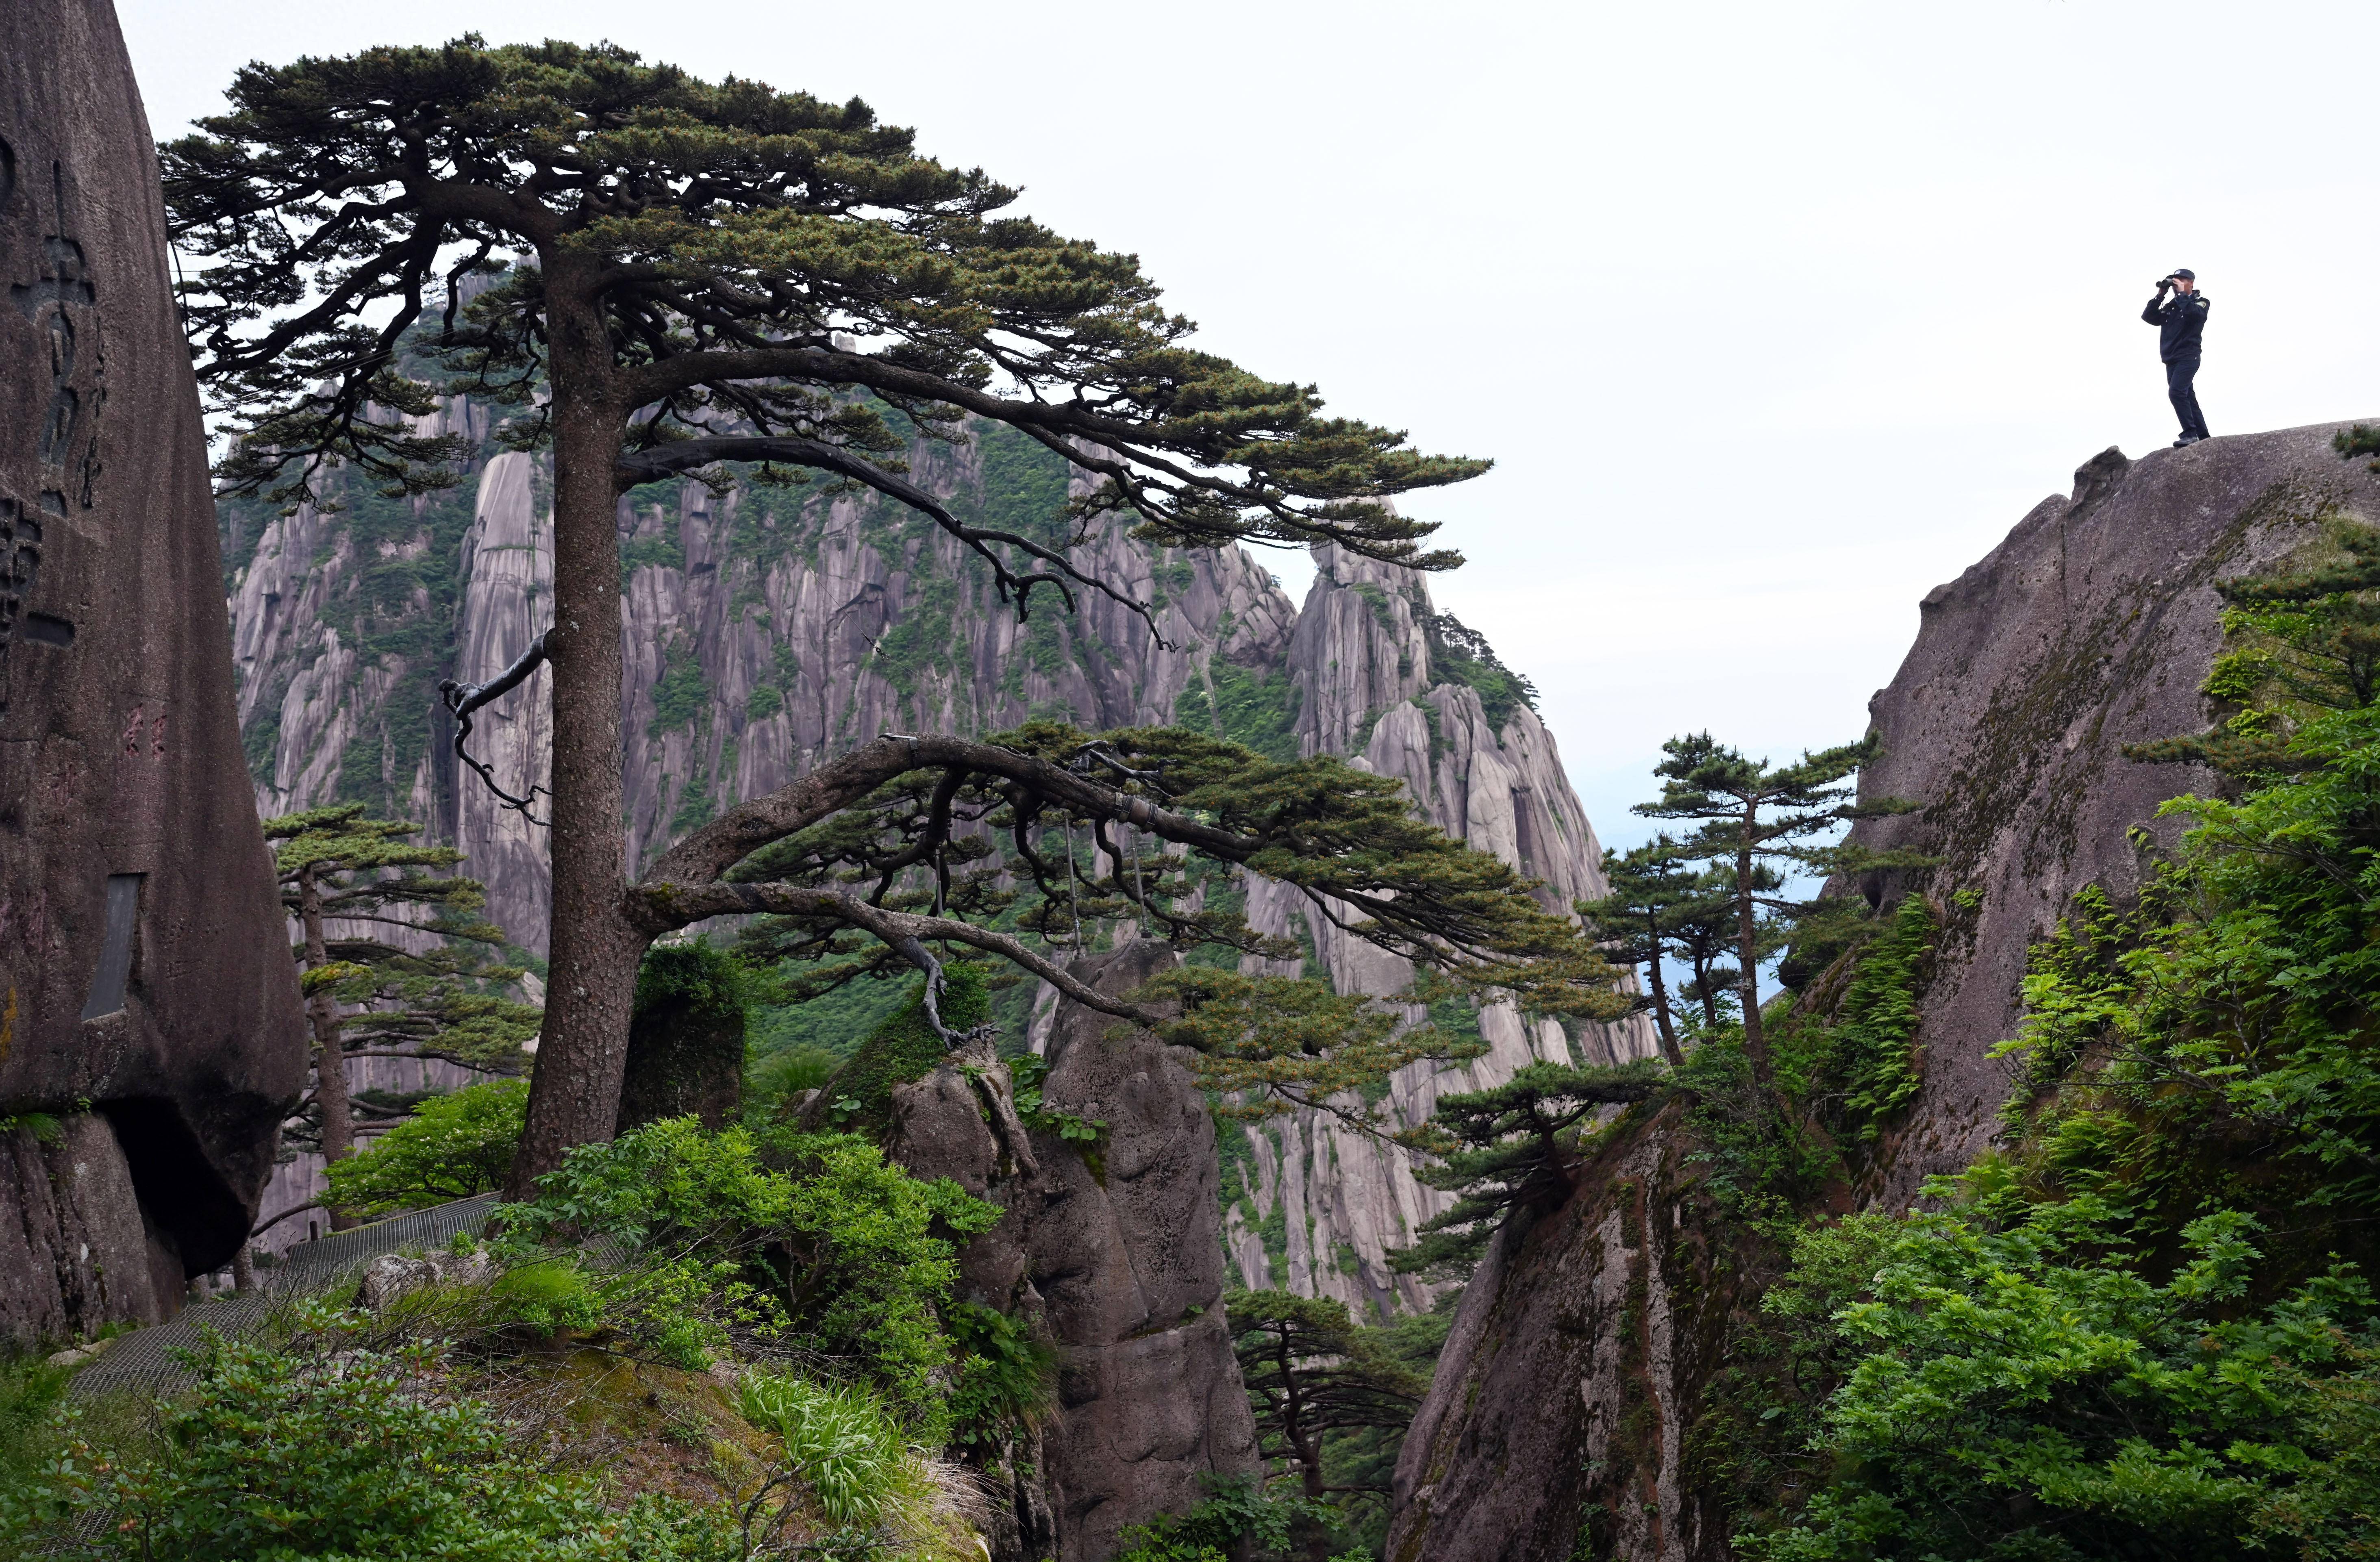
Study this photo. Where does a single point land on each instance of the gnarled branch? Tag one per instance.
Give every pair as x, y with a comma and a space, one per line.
462, 700
665, 907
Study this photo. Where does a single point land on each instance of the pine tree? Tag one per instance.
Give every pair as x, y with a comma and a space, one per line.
691, 275
1657, 906
1511, 1145
1309, 1372
371, 998
1755, 816
1346, 839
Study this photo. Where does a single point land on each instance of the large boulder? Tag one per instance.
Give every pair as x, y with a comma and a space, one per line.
2090, 626
150, 1037
1115, 1250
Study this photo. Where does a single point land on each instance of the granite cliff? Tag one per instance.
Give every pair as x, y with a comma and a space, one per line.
2090, 628
1580, 1408
151, 1038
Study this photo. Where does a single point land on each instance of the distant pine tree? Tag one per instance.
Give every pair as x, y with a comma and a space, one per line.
1508, 1146
1755, 816
1310, 1372
370, 997
1636, 923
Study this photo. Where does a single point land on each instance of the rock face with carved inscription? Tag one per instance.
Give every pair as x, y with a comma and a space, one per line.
151, 1038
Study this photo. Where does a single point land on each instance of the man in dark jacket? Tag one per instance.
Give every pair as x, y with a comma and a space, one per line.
2180, 321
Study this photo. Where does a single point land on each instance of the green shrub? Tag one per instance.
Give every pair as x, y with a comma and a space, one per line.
698, 973
1872, 1055
1236, 1515
31, 1392
870, 1274
331, 1451
829, 1251
1007, 1379
454, 1147
2020, 1385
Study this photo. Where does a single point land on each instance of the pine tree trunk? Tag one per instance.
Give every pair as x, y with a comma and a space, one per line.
1306, 1447
1703, 986
1747, 937
583, 1046
1671, 1051
1318, 1533
330, 1057
243, 1270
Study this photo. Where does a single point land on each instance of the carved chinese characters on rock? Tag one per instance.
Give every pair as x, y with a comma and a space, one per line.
61, 302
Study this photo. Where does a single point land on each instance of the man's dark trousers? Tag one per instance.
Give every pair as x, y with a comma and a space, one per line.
2177, 376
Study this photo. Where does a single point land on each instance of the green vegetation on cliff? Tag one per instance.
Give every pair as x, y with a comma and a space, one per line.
2148, 1327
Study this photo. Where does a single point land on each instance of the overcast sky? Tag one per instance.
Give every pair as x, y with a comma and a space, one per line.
1773, 316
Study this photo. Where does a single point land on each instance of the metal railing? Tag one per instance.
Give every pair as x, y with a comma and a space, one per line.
142, 1361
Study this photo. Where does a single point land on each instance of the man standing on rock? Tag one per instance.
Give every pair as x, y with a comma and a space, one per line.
2180, 322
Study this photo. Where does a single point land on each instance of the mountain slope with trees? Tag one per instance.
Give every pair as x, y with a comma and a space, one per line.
2056, 1245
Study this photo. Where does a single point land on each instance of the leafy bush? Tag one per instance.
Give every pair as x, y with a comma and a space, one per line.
2022, 1388
454, 1147
1871, 1059
697, 974
820, 1248
1007, 1378
331, 1451
31, 1392
868, 1274
2148, 1329
1236, 1515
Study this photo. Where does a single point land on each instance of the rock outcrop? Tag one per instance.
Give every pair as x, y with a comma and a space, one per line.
1113, 1250
151, 1038
1558, 1419
1562, 1419
2090, 628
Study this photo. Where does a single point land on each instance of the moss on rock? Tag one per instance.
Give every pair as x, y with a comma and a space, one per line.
858, 1099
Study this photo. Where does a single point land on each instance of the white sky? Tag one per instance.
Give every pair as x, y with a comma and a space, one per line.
1773, 316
